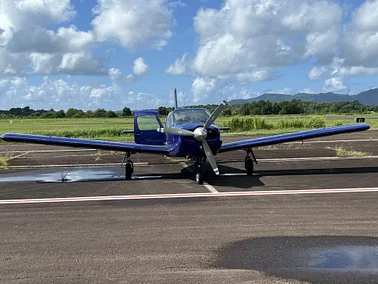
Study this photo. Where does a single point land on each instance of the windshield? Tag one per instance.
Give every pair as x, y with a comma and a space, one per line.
183, 116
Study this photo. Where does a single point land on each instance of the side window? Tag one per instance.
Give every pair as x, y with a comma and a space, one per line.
147, 122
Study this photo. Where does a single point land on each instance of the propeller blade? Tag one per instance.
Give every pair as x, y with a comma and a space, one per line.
215, 114
210, 157
176, 131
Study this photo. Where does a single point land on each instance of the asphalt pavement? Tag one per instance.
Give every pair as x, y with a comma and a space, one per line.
161, 227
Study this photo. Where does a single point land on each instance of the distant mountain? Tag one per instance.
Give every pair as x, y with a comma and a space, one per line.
369, 97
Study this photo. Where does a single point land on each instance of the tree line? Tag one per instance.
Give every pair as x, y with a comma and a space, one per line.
255, 108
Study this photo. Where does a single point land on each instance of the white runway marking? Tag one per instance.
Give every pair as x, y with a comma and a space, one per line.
335, 141
316, 159
210, 188
187, 195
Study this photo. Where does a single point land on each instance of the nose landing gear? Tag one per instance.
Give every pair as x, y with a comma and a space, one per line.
199, 171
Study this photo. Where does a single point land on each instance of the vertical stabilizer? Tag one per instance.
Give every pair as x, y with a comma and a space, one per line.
176, 103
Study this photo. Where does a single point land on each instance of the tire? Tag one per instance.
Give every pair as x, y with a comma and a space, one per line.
128, 171
249, 166
199, 176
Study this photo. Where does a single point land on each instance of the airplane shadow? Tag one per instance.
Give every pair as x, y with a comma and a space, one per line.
230, 177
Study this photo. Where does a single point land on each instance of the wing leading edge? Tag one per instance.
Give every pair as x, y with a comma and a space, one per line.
83, 143
289, 137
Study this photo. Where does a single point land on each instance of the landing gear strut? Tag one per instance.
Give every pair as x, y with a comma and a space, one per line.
250, 161
199, 171
129, 166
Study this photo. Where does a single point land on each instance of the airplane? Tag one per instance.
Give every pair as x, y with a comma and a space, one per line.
188, 132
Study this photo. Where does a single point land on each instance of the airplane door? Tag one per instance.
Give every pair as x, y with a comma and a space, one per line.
145, 125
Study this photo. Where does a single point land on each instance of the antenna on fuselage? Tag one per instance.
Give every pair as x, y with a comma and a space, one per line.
176, 103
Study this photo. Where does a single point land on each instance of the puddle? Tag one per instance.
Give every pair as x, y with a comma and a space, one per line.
346, 258
315, 259
80, 174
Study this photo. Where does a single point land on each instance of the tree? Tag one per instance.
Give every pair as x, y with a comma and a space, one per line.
100, 112
79, 113
71, 112
89, 113
60, 114
111, 114
126, 112
227, 112
163, 110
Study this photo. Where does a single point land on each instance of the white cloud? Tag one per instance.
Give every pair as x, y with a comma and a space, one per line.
52, 93
27, 47
307, 91
116, 76
81, 64
140, 68
247, 34
360, 37
134, 23
178, 67
335, 84
260, 75
41, 40
286, 91
202, 87
316, 72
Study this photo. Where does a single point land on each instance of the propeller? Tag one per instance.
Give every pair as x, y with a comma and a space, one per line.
200, 134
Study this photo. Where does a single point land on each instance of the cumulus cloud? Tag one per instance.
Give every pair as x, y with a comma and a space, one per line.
52, 93
134, 23
140, 68
202, 87
248, 34
116, 76
178, 67
27, 47
335, 84
15, 15
360, 38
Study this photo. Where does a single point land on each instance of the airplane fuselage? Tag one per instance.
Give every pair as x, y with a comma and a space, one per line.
181, 146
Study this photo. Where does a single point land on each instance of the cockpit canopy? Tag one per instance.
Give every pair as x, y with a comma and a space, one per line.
184, 116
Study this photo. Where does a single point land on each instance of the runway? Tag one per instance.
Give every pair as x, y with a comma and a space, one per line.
168, 229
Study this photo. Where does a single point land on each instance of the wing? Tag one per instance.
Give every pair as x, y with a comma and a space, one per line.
84, 143
276, 139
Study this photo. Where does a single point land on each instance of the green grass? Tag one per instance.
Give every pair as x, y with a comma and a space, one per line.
3, 163
110, 128
342, 152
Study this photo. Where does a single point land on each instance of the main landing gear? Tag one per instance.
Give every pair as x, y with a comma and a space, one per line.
129, 166
249, 161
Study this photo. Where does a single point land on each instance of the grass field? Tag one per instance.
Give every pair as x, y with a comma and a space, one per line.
110, 128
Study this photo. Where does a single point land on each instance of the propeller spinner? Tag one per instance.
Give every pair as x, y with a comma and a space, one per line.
200, 134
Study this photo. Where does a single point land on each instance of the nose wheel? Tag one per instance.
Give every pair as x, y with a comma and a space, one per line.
199, 171
199, 176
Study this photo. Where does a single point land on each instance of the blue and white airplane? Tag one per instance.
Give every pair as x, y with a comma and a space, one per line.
188, 132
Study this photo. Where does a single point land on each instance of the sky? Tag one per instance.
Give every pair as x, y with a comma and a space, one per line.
110, 54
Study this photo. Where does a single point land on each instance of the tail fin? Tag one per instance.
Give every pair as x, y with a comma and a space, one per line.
176, 103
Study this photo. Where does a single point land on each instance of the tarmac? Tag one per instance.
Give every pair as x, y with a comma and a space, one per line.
306, 215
